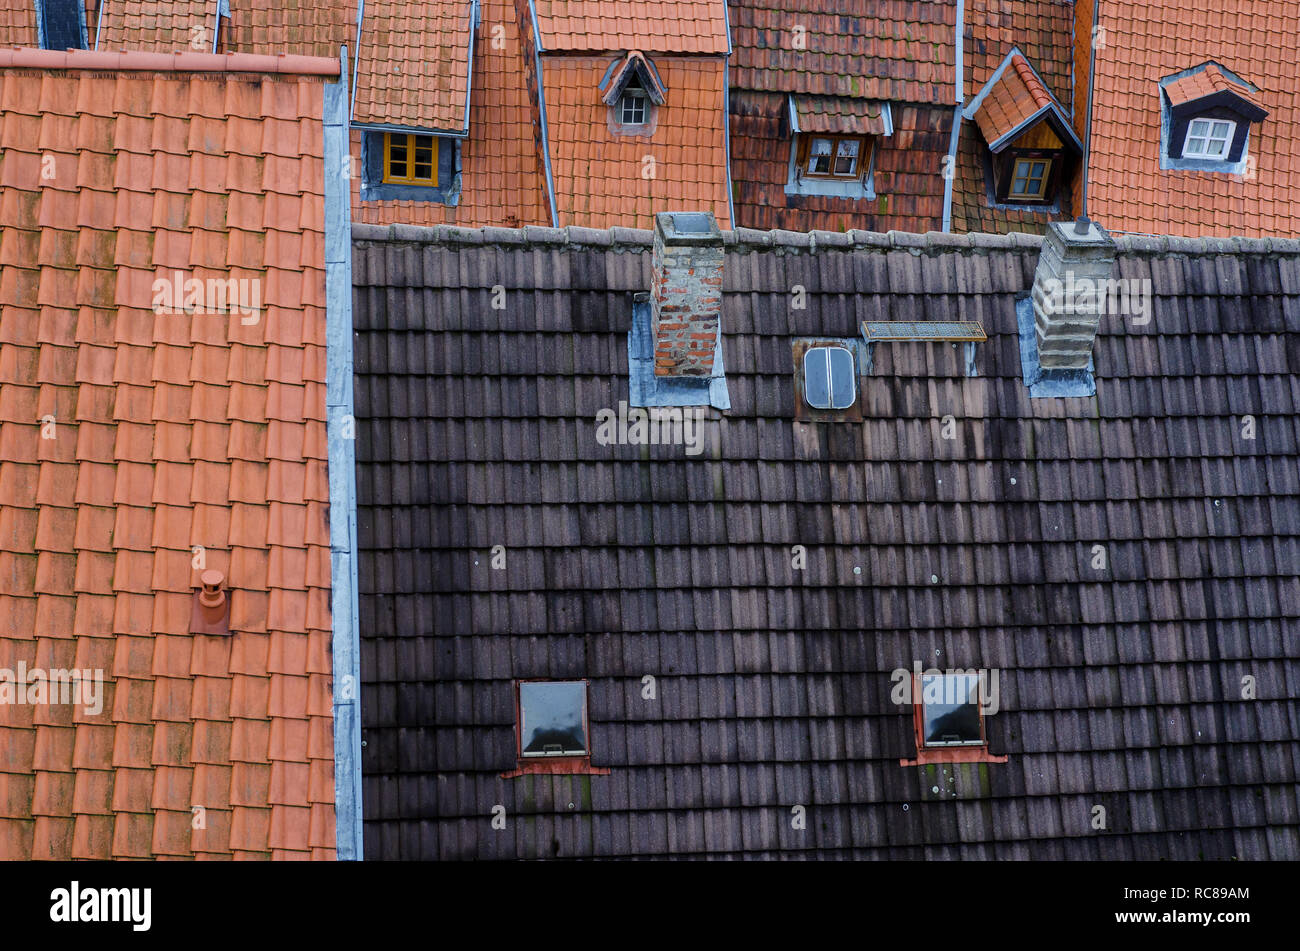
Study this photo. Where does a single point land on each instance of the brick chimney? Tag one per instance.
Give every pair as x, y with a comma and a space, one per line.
686, 292
1069, 292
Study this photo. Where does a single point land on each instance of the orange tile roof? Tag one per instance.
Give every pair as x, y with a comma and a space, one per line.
413, 64
502, 181
157, 27
1040, 29
308, 27
895, 50
837, 114
1012, 100
18, 24
128, 437
603, 179
1148, 40
652, 26
1206, 82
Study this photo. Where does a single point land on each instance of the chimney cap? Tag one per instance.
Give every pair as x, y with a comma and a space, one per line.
688, 227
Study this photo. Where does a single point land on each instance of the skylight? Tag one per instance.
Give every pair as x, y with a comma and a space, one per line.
828, 378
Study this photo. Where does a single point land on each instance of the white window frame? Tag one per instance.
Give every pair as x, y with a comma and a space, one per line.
1208, 138
633, 98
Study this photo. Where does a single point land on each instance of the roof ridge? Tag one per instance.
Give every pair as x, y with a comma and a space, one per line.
20, 57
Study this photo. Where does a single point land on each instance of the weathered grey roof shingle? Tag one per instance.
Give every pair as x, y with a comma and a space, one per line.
1121, 686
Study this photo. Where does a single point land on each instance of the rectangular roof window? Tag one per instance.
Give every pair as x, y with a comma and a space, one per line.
952, 710
553, 718
828, 378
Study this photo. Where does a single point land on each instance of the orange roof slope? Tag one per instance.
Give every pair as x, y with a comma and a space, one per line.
602, 179
307, 27
502, 180
156, 27
1041, 29
1012, 100
653, 26
1147, 40
413, 64
132, 441
896, 50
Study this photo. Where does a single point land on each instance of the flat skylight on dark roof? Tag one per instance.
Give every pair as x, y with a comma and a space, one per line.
952, 712
553, 718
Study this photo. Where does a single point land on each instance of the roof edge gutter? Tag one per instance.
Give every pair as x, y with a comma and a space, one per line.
341, 437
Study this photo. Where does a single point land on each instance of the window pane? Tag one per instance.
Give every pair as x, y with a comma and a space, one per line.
551, 718
1221, 130
816, 378
846, 156
951, 716
819, 157
1200, 128
841, 377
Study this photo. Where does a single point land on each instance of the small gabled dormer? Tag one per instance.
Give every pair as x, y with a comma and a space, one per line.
1031, 145
633, 91
1205, 118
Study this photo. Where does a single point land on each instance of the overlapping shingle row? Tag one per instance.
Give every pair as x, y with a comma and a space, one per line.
157, 27
1149, 40
1042, 29
1121, 686
140, 446
652, 26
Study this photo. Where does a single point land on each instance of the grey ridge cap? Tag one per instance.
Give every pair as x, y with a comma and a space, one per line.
743, 240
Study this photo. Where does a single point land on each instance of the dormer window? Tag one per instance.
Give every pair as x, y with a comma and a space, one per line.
833, 156
1031, 146
1029, 179
1206, 114
633, 91
632, 109
1209, 138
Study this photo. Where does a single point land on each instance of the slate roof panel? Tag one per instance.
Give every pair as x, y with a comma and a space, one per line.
773, 683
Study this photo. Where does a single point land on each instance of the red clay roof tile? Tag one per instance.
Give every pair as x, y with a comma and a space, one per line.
104, 515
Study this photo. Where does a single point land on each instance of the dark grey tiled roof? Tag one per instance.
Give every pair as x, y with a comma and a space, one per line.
1120, 687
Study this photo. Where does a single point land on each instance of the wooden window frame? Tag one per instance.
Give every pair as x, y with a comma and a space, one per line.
865, 144
1029, 177
556, 763
410, 143
1004, 166
634, 92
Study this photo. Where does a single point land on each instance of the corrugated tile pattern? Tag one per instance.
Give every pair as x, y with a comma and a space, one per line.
18, 23
413, 64
1149, 40
971, 208
1120, 687
501, 175
170, 432
1041, 29
306, 27
155, 27
603, 179
908, 175
837, 114
1012, 100
894, 50
651, 26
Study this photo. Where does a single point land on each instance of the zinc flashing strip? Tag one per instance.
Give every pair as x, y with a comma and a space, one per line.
541, 108
340, 430
469, 66
356, 59
726, 136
